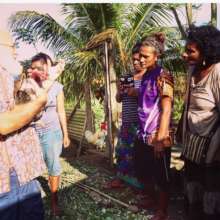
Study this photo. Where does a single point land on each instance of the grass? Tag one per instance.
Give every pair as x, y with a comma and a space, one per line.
81, 205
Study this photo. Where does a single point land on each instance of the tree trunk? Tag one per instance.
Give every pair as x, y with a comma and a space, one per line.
114, 104
189, 13
89, 114
111, 106
214, 14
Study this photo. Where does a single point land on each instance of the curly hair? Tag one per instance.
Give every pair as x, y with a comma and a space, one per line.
155, 40
207, 39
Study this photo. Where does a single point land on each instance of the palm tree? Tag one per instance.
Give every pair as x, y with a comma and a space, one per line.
92, 24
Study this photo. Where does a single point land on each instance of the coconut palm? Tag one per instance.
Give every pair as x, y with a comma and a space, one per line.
87, 27
83, 22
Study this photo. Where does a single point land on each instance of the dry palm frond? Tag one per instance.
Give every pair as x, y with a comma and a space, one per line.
110, 34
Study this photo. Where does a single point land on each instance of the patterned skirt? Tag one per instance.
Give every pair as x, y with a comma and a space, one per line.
125, 154
202, 189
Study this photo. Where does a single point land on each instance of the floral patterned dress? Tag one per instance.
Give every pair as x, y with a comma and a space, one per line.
127, 136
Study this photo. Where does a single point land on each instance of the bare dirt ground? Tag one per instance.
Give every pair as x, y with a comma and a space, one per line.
92, 169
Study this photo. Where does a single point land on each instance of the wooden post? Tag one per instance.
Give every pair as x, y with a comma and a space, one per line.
214, 14
189, 13
109, 107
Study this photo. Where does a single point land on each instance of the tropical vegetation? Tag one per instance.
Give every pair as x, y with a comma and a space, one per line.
88, 28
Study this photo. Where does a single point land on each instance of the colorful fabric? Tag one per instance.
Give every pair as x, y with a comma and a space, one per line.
155, 84
125, 153
128, 131
20, 150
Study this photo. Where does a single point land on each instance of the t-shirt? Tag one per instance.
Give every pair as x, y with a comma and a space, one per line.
204, 109
155, 84
50, 118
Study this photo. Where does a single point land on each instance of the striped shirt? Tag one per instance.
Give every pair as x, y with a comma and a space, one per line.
130, 106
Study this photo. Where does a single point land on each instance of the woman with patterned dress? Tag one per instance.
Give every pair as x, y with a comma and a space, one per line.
128, 130
152, 147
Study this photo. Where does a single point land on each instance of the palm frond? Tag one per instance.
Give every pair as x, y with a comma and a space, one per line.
98, 39
86, 63
109, 34
161, 15
143, 16
44, 28
172, 58
78, 20
82, 65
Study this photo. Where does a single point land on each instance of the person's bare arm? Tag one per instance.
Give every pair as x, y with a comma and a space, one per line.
21, 115
166, 104
62, 116
163, 132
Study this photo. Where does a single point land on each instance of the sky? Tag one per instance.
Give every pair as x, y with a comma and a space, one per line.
25, 51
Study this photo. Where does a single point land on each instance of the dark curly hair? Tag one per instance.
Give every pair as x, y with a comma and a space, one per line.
207, 39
